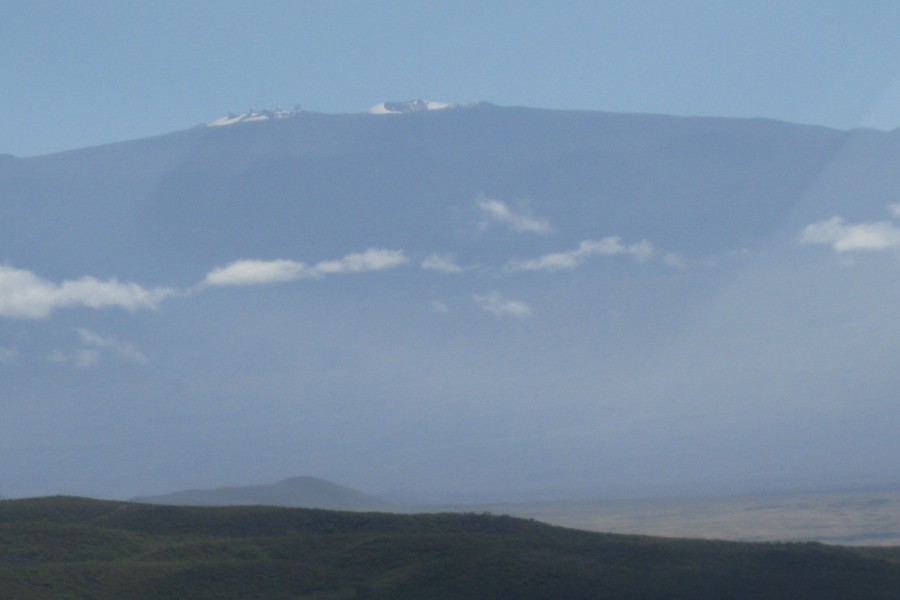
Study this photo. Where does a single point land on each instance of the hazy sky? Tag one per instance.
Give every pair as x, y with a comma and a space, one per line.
78, 73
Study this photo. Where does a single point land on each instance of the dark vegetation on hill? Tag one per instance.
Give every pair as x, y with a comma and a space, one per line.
76, 548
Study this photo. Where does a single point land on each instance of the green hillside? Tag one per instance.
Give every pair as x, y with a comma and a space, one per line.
76, 548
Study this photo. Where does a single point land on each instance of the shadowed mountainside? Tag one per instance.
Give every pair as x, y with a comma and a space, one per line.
296, 492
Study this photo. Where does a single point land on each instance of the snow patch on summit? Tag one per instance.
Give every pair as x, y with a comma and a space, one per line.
382, 108
396, 108
252, 115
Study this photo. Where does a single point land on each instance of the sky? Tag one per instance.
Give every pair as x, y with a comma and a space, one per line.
78, 73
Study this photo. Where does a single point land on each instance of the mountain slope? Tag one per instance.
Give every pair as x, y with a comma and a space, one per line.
289, 187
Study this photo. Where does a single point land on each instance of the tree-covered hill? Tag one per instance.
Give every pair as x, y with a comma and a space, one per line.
75, 548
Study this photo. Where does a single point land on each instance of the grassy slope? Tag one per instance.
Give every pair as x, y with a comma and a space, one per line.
77, 548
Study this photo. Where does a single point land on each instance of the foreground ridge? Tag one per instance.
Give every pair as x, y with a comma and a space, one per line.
65, 547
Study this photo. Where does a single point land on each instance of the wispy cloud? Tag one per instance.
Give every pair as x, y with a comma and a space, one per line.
496, 304
24, 295
843, 237
373, 259
444, 263
8, 355
81, 358
119, 348
95, 348
608, 246
260, 272
676, 261
521, 220
439, 308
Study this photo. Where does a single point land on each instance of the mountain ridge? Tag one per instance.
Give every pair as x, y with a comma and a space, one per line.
293, 492
67, 547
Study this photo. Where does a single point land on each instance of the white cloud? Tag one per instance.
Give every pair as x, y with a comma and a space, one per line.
24, 295
259, 272
495, 304
445, 263
879, 235
608, 246
373, 259
120, 348
439, 308
497, 212
895, 209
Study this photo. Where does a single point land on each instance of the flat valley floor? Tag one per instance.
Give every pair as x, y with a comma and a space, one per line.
847, 518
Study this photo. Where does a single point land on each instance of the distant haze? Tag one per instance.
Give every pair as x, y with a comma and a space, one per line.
477, 302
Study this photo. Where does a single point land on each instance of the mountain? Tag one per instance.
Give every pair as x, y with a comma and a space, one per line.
299, 492
483, 304
277, 186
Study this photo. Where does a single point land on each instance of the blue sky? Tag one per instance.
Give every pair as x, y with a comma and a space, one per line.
79, 73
